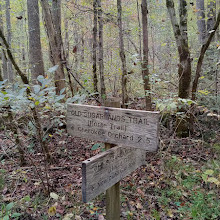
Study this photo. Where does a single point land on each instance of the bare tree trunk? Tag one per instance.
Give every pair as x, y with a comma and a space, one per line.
218, 30
3, 52
76, 54
139, 32
122, 56
66, 42
201, 57
101, 53
56, 14
35, 52
94, 51
200, 6
180, 33
211, 14
1, 77
22, 43
66, 52
82, 47
184, 70
145, 69
53, 30
8, 22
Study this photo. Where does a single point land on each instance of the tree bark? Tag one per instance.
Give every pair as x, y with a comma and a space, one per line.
3, 53
66, 52
201, 57
56, 14
200, 6
180, 33
101, 53
211, 14
22, 43
66, 42
218, 30
145, 69
94, 51
54, 36
1, 77
139, 31
9, 38
82, 55
184, 68
35, 52
122, 56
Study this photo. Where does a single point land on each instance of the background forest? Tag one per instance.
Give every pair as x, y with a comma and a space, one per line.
159, 55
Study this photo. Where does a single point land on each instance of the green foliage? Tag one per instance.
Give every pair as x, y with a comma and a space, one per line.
184, 189
201, 206
2, 178
217, 147
51, 108
7, 212
173, 105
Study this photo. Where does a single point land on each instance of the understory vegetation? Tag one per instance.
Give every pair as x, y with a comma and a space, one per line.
150, 55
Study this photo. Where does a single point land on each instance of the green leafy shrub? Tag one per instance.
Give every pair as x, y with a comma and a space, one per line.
7, 212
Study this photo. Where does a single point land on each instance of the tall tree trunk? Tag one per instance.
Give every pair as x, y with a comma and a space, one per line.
184, 53
22, 42
180, 33
82, 55
184, 69
101, 53
1, 77
201, 57
94, 51
35, 52
76, 53
218, 30
8, 22
211, 14
56, 13
66, 52
53, 30
3, 52
145, 69
66, 42
200, 6
139, 31
122, 56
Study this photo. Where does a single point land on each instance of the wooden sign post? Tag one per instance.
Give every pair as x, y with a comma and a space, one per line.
136, 131
112, 193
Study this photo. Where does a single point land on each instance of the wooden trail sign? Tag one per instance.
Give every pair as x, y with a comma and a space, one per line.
130, 128
105, 169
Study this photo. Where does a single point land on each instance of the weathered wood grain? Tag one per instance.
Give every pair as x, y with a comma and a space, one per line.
132, 128
104, 170
113, 205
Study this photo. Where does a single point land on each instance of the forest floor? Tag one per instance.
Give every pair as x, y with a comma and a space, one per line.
180, 181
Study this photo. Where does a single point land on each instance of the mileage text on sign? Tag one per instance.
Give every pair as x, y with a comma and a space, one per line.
127, 127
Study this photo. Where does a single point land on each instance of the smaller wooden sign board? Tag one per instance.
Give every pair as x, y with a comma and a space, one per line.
105, 169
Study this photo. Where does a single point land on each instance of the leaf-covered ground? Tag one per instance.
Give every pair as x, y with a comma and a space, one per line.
180, 181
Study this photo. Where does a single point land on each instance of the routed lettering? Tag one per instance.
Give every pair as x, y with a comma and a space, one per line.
132, 128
